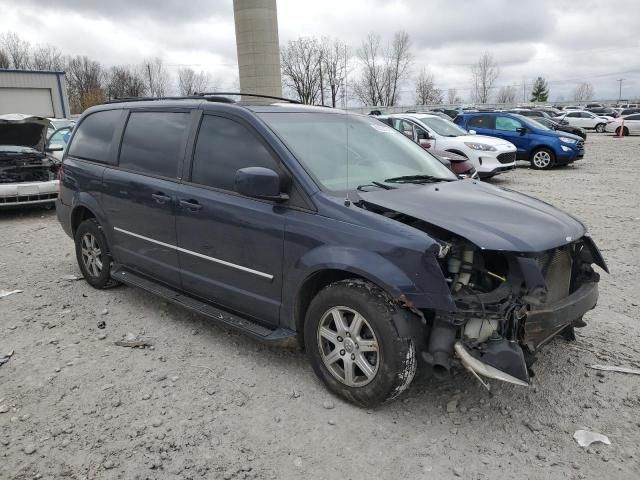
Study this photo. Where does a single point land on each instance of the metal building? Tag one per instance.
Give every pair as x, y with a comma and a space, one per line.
33, 92
258, 49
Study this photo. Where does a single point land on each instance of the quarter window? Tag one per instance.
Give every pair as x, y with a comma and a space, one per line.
154, 142
94, 136
507, 124
223, 147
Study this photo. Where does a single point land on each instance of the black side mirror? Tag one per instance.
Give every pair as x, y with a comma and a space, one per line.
522, 130
260, 182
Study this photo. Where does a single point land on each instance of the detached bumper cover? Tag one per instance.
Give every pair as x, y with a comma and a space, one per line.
28, 193
542, 325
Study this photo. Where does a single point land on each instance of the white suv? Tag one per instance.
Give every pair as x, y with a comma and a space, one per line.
584, 119
489, 155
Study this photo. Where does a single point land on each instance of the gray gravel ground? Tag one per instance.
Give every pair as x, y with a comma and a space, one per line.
206, 402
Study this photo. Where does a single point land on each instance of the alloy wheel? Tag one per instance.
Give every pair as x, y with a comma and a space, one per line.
542, 159
91, 254
348, 346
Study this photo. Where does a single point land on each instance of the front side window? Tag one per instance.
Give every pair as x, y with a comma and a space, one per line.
154, 142
94, 136
223, 147
574, 115
507, 124
342, 151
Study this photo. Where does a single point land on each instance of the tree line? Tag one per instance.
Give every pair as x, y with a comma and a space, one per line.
89, 82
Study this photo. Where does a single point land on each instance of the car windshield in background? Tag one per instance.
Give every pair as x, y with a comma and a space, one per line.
343, 151
443, 127
532, 122
542, 123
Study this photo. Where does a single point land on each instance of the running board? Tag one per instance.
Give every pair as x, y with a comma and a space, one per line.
283, 337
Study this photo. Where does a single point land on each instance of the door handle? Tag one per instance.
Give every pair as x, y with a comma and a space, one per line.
160, 197
192, 205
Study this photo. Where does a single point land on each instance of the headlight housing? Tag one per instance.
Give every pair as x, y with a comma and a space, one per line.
480, 146
568, 140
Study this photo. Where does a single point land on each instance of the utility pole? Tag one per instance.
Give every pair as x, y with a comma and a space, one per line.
620, 80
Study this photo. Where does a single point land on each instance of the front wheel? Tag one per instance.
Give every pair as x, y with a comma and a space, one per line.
542, 159
354, 346
600, 128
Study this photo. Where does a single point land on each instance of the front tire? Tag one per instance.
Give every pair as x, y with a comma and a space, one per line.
92, 253
600, 127
542, 159
353, 344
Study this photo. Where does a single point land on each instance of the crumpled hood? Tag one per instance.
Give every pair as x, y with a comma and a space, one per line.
490, 217
24, 130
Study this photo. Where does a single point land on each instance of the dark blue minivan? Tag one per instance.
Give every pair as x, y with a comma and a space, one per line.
312, 226
536, 143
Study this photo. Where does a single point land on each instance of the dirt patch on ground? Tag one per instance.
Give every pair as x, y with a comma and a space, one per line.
207, 402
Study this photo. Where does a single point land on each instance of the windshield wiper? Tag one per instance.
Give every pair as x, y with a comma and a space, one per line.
417, 179
376, 184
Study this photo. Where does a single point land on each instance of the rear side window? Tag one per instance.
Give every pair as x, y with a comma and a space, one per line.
154, 142
223, 147
633, 117
507, 124
482, 122
94, 136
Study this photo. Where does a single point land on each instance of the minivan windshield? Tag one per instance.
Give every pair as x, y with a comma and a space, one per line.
343, 151
445, 128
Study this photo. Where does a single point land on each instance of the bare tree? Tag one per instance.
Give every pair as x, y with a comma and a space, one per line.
583, 92
426, 91
84, 79
4, 59
123, 81
156, 77
334, 59
18, 50
452, 96
506, 94
47, 57
384, 69
190, 81
301, 67
484, 74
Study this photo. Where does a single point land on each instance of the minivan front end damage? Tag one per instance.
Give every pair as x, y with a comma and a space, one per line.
508, 305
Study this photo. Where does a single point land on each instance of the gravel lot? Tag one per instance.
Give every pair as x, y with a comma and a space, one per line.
207, 402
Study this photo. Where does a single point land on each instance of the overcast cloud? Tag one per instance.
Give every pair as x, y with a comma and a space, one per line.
565, 41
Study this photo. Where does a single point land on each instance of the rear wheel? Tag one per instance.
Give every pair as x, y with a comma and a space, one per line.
600, 127
542, 159
354, 346
93, 255
625, 132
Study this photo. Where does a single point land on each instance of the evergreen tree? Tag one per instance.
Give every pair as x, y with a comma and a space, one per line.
540, 91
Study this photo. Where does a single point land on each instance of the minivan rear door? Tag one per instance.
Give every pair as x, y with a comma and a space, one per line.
230, 246
140, 196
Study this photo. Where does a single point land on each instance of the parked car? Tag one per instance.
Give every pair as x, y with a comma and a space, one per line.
631, 124
584, 119
488, 155
27, 170
541, 146
630, 105
458, 164
529, 113
594, 105
550, 111
562, 126
300, 224
448, 111
58, 140
604, 111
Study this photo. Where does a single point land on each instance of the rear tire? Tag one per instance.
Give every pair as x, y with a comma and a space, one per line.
600, 127
542, 159
625, 132
353, 344
92, 253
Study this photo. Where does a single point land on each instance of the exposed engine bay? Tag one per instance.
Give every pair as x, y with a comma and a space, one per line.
508, 304
29, 166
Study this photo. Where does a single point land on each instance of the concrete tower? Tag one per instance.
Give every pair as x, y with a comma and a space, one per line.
258, 48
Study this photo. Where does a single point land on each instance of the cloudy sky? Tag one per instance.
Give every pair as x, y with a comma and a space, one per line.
566, 41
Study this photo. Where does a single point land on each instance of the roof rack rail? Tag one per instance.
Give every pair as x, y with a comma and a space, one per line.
149, 99
212, 94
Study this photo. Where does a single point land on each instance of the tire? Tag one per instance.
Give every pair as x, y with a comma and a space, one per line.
542, 159
367, 315
600, 128
625, 132
92, 254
